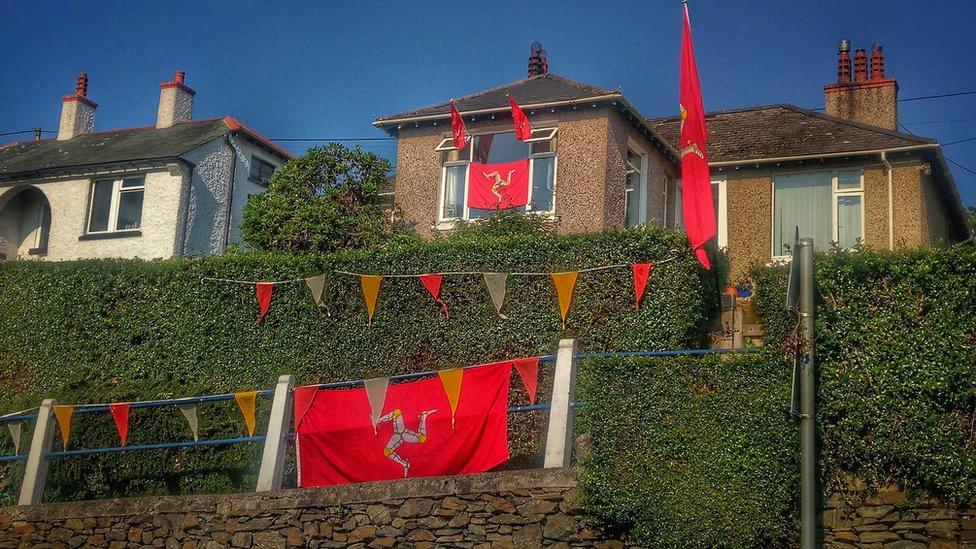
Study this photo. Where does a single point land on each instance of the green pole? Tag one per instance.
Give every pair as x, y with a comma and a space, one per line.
808, 398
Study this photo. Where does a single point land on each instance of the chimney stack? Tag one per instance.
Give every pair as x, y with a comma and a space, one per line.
77, 111
870, 98
175, 101
538, 61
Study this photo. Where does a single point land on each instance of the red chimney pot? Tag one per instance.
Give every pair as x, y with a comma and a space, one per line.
877, 62
860, 66
81, 85
844, 63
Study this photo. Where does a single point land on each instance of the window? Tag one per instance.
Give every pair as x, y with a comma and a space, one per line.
826, 206
116, 205
719, 199
261, 171
635, 203
495, 148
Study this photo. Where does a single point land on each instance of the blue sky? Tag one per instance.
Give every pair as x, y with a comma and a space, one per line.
326, 69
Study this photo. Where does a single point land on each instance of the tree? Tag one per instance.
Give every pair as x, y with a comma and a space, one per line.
972, 218
324, 201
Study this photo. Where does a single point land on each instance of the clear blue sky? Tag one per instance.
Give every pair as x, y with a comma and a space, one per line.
326, 69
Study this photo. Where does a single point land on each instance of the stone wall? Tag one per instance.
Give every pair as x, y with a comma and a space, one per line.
889, 519
531, 508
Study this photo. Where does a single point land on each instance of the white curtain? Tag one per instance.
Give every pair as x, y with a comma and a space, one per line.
804, 201
454, 191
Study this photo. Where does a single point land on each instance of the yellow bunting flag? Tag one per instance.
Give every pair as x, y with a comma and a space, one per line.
64, 413
371, 291
247, 401
451, 379
565, 285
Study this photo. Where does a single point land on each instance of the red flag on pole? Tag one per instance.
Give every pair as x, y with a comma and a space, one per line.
523, 130
414, 437
120, 413
498, 186
457, 128
697, 208
433, 284
263, 291
641, 272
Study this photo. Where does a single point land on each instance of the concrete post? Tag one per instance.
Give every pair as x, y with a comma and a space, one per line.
275, 443
35, 474
559, 440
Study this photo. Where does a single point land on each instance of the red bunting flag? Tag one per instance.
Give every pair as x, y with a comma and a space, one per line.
528, 371
523, 130
697, 208
433, 284
498, 186
457, 128
414, 437
120, 413
263, 291
641, 272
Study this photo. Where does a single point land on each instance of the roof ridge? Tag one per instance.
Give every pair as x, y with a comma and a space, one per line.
577, 84
725, 111
861, 125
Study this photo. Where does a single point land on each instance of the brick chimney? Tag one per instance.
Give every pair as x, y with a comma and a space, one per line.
871, 97
538, 61
175, 101
77, 111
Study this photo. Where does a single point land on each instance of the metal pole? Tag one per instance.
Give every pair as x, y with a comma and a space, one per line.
808, 396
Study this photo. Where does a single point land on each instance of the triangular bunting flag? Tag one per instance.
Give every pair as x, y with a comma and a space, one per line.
433, 284
318, 285
451, 379
263, 291
376, 394
641, 272
565, 285
120, 413
247, 401
190, 413
64, 413
371, 291
14, 429
496, 289
528, 370
304, 397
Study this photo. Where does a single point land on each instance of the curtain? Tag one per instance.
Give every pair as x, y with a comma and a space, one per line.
804, 201
454, 191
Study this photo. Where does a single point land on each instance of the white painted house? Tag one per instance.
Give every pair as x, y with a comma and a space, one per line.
175, 188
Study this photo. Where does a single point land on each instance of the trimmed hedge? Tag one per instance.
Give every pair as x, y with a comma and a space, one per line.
116, 330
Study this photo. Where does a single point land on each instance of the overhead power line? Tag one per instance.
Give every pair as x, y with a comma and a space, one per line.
960, 166
938, 96
967, 140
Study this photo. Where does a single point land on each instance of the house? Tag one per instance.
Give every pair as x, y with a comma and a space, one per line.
175, 188
847, 176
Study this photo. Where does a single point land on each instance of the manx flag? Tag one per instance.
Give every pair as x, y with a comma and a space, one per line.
498, 186
697, 209
414, 437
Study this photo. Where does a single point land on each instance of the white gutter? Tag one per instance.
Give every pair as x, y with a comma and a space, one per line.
891, 202
391, 121
816, 156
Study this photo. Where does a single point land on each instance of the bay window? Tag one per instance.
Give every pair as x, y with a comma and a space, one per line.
493, 148
116, 205
826, 206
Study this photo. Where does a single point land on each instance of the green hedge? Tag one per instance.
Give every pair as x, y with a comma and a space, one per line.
114, 330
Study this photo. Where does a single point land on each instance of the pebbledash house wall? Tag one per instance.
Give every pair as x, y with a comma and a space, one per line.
590, 170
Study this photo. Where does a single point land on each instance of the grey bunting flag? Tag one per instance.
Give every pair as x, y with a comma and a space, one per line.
14, 429
496, 289
190, 413
318, 286
376, 393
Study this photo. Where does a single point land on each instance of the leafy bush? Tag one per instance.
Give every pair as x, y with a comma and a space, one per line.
116, 330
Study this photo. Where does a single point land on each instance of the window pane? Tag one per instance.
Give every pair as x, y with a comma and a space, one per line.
541, 147
633, 160
848, 220
543, 183
133, 182
130, 210
632, 217
101, 204
804, 201
848, 180
499, 147
453, 192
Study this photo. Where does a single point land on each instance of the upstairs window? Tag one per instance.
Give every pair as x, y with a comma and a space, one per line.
261, 171
116, 205
826, 206
636, 193
495, 148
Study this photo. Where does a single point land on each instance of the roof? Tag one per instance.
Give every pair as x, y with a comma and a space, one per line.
126, 145
785, 131
534, 91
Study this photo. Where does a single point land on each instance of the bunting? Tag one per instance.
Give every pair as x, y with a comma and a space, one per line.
565, 285
451, 380
63, 413
15, 428
263, 291
433, 284
528, 371
318, 285
371, 291
247, 402
376, 394
120, 413
496, 290
641, 272
189, 411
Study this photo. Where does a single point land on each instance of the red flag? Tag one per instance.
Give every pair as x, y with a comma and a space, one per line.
433, 284
336, 442
697, 209
303, 399
120, 413
523, 130
263, 290
528, 370
457, 128
498, 186
641, 272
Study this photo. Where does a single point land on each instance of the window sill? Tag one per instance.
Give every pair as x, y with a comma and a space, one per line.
257, 181
37, 251
451, 224
113, 234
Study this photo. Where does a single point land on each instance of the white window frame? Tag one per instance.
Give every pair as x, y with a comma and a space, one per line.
113, 211
642, 184
447, 144
720, 184
835, 192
